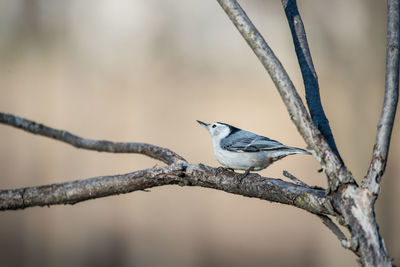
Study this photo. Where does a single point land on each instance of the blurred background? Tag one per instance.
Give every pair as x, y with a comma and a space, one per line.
144, 71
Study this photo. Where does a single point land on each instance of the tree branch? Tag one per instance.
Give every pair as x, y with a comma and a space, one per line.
308, 72
182, 173
336, 172
293, 178
386, 121
177, 172
355, 208
337, 232
352, 206
163, 154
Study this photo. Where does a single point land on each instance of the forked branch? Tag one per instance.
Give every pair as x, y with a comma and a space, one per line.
336, 172
354, 205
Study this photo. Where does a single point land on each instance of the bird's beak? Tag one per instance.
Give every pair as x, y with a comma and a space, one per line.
203, 124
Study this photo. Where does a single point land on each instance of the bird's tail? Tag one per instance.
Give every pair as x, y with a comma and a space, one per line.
295, 150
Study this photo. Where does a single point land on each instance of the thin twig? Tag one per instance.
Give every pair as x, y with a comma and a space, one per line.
293, 178
386, 121
308, 72
156, 152
335, 170
276, 190
337, 232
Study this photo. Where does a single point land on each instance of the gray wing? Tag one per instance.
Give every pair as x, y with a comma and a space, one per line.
248, 142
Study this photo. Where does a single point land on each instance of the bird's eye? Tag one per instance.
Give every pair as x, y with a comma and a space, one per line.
214, 126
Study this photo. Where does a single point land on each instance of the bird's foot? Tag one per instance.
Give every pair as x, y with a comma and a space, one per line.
240, 178
222, 169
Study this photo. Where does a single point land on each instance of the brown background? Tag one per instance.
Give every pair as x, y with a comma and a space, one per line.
145, 71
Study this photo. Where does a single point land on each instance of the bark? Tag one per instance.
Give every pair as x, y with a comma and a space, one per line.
391, 98
182, 173
163, 154
354, 206
308, 72
336, 172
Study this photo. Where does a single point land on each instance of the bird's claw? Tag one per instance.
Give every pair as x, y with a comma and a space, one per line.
223, 169
239, 178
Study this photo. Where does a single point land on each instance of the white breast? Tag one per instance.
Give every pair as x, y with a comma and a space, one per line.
243, 160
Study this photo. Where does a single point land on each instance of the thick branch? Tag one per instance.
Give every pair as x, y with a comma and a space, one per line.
386, 121
178, 172
356, 206
276, 190
156, 152
335, 170
308, 72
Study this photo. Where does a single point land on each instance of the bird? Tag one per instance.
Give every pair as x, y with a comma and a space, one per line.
238, 149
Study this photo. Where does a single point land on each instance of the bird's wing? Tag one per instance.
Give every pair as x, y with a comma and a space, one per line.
249, 143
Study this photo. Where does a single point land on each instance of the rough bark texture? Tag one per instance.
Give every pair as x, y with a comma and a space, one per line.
182, 173
356, 207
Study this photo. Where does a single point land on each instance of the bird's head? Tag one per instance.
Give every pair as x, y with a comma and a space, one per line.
218, 130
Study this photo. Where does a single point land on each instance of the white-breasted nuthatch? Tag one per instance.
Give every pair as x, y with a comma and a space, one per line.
242, 150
